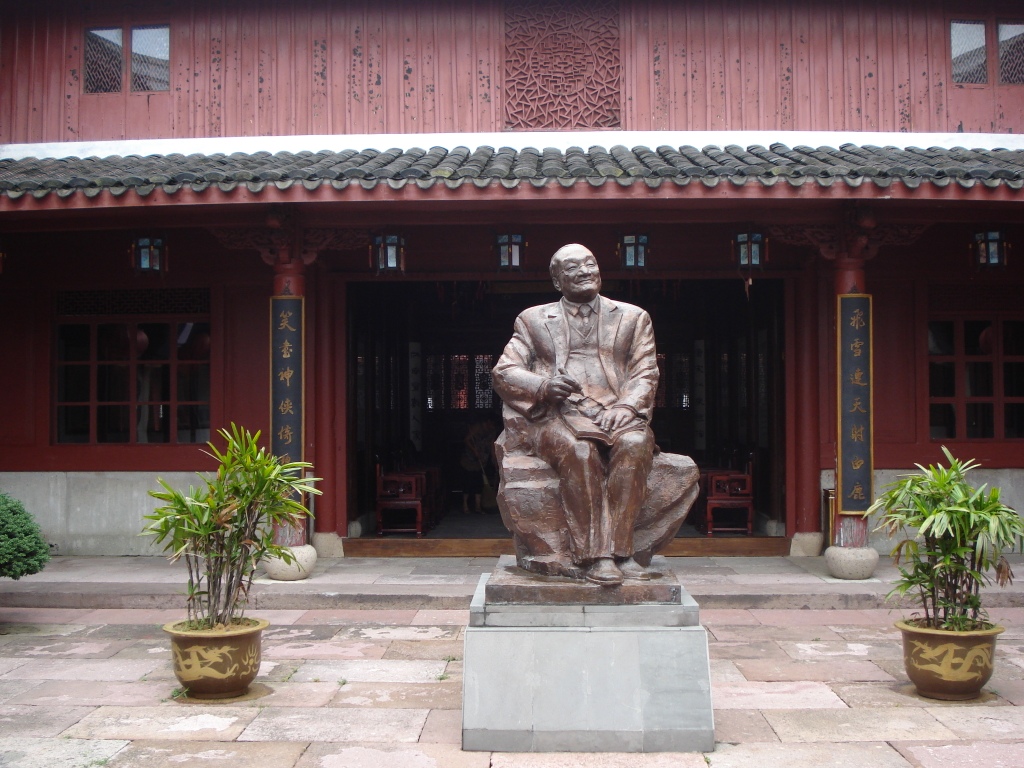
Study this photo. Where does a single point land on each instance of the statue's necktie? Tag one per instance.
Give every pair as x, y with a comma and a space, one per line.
585, 311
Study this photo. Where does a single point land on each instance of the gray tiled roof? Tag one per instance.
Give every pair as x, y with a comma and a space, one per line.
850, 165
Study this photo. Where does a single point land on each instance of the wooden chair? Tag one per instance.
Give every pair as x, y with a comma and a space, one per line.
731, 492
400, 492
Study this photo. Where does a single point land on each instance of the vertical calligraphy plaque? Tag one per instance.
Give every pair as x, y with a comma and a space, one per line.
286, 377
854, 444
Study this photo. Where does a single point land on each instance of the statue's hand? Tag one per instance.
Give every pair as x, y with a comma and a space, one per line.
555, 390
613, 418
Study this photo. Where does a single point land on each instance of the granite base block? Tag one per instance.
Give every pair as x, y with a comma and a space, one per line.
539, 678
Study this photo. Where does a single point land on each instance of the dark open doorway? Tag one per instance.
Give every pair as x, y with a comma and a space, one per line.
420, 361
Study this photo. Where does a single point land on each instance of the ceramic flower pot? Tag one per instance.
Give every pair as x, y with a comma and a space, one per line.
948, 665
217, 664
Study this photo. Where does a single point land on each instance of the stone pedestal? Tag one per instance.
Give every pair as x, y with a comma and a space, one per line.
556, 665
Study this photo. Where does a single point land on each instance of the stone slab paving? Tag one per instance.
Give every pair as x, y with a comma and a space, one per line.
309, 725
28, 752
83, 669
842, 725
982, 722
977, 754
193, 723
349, 687
383, 671
741, 726
761, 755
169, 754
93, 694
22, 720
446, 694
775, 695
824, 671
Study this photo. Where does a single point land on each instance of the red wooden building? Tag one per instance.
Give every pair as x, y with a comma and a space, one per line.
262, 149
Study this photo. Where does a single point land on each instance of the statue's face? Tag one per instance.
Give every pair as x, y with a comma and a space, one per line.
578, 277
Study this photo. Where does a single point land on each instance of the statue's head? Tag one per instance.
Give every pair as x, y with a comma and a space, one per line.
575, 273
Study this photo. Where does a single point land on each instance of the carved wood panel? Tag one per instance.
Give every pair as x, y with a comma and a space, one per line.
563, 68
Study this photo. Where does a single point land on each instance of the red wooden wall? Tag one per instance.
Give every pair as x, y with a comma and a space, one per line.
404, 66
48, 263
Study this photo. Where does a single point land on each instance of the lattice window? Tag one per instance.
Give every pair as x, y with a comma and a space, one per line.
1011, 54
483, 395
969, 52
562, 65
148, 59
132, 381
104, 60
459, 382
151, 59
976, 378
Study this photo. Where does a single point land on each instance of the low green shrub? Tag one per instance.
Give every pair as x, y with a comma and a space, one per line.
23, 550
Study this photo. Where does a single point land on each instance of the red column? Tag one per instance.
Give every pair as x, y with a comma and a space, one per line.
806, 419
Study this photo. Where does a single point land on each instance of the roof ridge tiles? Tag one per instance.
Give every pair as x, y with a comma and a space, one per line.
499, 165
402, 162
603, 162
684, 167
541, 166
628, 161
653, 161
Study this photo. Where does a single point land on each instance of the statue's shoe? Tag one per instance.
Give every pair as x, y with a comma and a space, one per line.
631, 569
605, 573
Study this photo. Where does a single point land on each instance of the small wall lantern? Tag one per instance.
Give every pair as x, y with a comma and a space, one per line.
149, 255
387, 252
749, 250
510, 251
990, 248
633, 251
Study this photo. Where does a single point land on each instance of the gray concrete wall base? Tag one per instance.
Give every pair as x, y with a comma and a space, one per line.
587, 689
92, 513
328, 545
1010, 483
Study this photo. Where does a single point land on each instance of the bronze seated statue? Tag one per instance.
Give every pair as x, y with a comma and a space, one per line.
583, 488
531, 506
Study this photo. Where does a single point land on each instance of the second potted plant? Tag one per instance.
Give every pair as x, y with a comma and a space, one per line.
222, 530
952, 540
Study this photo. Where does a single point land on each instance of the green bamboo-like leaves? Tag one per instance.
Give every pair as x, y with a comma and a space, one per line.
954, 537
223, 528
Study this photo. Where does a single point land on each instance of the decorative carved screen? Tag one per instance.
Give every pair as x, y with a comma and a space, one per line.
562, 64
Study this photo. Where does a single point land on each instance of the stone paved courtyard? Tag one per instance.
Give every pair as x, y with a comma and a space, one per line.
376, 687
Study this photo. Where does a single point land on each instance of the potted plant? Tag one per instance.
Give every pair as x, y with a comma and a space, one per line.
952, 541
222, 530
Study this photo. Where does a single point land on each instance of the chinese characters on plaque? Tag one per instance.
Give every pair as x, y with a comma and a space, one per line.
286, 350
854, 456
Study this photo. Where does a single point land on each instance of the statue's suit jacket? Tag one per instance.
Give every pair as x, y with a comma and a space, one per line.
539, 347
